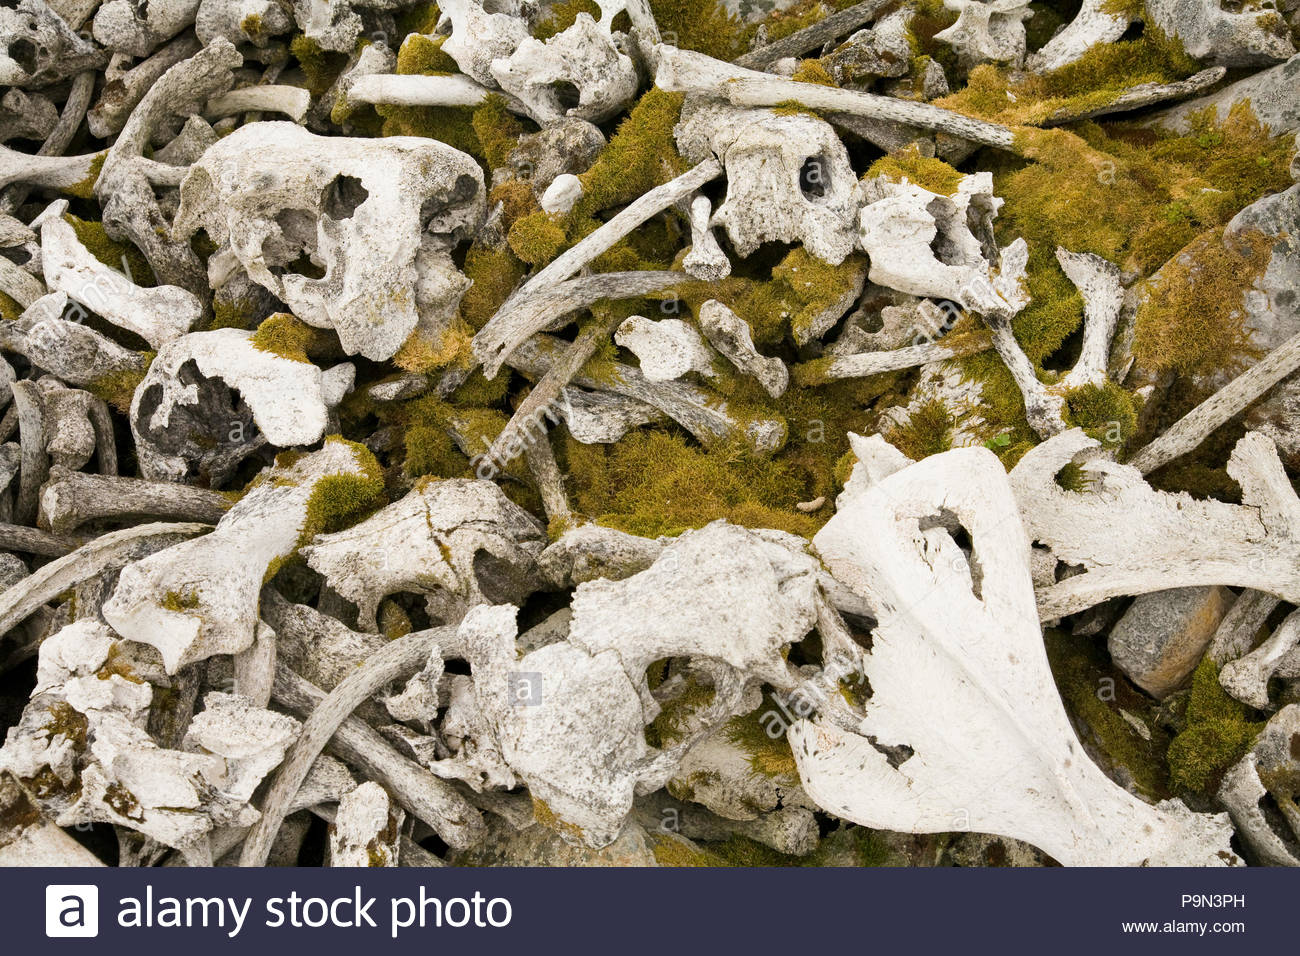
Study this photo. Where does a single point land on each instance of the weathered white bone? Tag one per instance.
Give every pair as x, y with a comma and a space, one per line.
584, 57
666, 349
116, 101
1131, 539
434, 541
74, 352
200, 598
365, 831
968, 632
478, 38
592, 551
987, 32
1222, 37
289, 400
54, 51
1247, 677
1268, 769
788, 177
1095, 23
561, 195
1272, 93
51, 172
158, 315
241, 21
1098, 282
380, 216
415, 90
292, 101
731, 335
705, 260
24, 116
136, 29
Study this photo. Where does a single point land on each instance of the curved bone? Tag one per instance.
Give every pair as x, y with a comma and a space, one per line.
990, 736
510, 326
200, 598
30, 405
118, 99
158, 315
49, 172
107, 552
397, 659
1098, 282
1095, 23
1131, 539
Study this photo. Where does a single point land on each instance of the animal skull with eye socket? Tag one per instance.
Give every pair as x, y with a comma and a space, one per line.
376, 219
788, 177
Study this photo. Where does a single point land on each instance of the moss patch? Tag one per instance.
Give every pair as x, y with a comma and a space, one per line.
122, 256
340, 500
286, 336
1218, 730
924, 171
927, 432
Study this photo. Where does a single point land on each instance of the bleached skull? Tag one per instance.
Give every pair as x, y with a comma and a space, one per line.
788, 177
353, 235
578, 72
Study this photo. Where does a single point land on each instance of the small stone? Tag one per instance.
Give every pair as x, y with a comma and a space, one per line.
1162, 636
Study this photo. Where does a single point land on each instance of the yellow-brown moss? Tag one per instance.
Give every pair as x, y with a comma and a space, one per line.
928, 431
702, 25
340, 500
284, 335
641, 154
122, 256
118, 388
924, 171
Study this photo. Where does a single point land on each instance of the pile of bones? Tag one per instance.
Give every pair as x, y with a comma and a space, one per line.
235, 630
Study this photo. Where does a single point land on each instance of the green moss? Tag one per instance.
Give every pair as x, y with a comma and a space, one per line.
340, 500
497, 129
10, 308
924, 171
1106, 413
286, 336
641, 154
653, 482
769, 756
927, 432
495, 274
814, 286
812, 71
702, 25
122, 256
118, 388
321, 67
1191, 318
421, 55
1218, 731
536, 238
237, 313
673, 721
181, 601
562, 16
86, 188
451, 125
393, 621
1095, 695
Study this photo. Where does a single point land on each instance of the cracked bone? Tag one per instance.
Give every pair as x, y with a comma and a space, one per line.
730, 335
461, 542
1098, 281
987, 32
1220, 36
24, 116
125, 26
119, 98
183, 419
583, 57
158, 315
601, 418
665, 349
200, 598
1131, 539
705, 260
1095, 23
40, 49
1247, 677
379, 216
292, 101
50, 172
69, 350
70, 499
968, 632
366, 828
788, 177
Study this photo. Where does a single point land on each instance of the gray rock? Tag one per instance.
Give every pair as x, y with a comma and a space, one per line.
1161, 637
1274, 95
